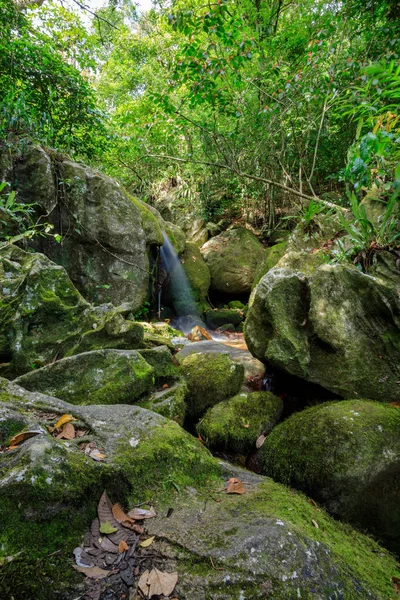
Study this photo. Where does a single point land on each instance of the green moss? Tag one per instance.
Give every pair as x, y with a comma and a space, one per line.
160, 358
346, 454
211, 378
353, 551
272, 256
165, 462
169, 403
235, 424
223, 316
236, 304
150, 223
196, 271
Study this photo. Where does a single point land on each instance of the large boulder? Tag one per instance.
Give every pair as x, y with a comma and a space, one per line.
233, 257
347, 455
107, 236
235, 424
43, 317
97, 377
271, 257
211, 379
196, 271
242, 546
218, 317
170, 402
331, 325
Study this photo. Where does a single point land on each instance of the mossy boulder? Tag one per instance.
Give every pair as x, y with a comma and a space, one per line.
221, 316
44, 317
108, 236
347, 455
331, 325
253, 368
211, 379
233, 257
271, 257
235, 424
263, 540
49, 489
168, 402
97, 377
309, 235
175, 236
160, 358
196, 271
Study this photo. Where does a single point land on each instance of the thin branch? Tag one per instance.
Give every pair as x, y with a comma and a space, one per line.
281, 186
87, 9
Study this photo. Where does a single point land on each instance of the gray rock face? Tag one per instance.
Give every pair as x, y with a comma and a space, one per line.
43, 317
232, 258
97, 377
334, 326
107, 236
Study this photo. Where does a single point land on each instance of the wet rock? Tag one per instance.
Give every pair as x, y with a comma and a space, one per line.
210, 379
271, 257
233, 257
196, 271
97, 377
235, 424
160, 358
347, 455
331, 325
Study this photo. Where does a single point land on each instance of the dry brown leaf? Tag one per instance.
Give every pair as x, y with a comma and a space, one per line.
22, 437
119, 514
96, 454
157, 583
108, 546
260, 440
122, 546
140, 513
67, 433
247, 425
93, 572
315, 524
147, 542
235, 486
63, 420
104, 512
395, 404
12, 447
165, 386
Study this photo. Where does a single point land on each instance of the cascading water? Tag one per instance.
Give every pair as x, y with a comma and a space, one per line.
180, 292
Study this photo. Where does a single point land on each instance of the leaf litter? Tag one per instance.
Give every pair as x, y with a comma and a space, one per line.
115, 555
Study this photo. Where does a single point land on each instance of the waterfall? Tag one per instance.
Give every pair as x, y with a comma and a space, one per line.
179, 287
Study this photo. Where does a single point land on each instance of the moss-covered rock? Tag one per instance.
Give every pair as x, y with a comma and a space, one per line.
168, 402
107, 236
160, 358
44, 317
49, 488
233, 257
331, 325
347, 455
263, 540
308, 236
211, 379
235, 424
196, 271
272, 256
97, 377
175, 236
236, 304
221, 316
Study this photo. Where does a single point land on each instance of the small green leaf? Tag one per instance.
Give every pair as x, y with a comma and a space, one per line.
107, 528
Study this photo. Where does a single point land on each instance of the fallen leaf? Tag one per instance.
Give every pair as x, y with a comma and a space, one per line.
122, 546
67, 432
395, 404
396, 583
313, 503
107, 528
260, 440
157, 583
96, 454
93, 572
165, 386
12, 447
108, 546
63, 420
235, 486
22, 437
247, 425
140, 513
146, 543
81, 558
315, 524
119, 514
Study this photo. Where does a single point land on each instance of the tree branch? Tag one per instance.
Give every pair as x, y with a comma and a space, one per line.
281, 186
